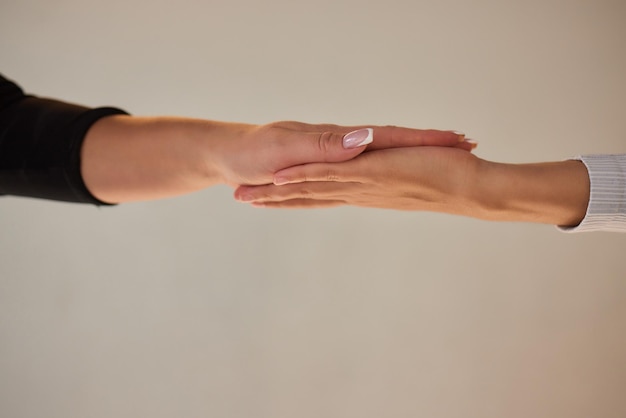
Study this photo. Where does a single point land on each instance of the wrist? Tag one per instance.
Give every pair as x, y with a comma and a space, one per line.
223, 143
554, 193
483, 191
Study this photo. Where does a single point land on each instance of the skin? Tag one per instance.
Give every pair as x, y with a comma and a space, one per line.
128, 158
434, 179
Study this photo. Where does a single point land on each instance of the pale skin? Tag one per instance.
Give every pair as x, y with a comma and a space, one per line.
128, 158
434, 179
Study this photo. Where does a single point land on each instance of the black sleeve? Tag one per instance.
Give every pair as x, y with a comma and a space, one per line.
40, 142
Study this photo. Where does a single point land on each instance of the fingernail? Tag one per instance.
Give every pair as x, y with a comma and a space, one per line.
472, 142
460, 134
358, 138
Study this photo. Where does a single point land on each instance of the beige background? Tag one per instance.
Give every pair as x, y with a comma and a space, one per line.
203, 307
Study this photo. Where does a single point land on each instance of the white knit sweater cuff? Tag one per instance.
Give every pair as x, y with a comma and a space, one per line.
606, 210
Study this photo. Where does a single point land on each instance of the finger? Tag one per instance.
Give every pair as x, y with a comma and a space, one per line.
322, 172
386, 136
467, 145
300, 204
395, 137
328, 146
390, 136
309, 190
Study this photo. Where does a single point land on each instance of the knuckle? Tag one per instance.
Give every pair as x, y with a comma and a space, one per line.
393, 134
277, 130
287, 124
331, 175
325, 144
305, 193
267, 131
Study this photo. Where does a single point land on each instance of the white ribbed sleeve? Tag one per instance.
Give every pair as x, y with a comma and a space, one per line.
607, 203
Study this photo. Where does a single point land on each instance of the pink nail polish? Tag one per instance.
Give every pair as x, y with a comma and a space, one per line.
473, 143
358, 138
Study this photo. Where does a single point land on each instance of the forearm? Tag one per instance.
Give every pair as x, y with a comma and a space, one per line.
55, 150
553, 193
128, 158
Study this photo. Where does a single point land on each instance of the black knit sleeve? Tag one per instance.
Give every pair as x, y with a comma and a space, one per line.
40, 142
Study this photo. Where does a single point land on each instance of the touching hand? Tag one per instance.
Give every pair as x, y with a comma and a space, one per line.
417, 178
253, 157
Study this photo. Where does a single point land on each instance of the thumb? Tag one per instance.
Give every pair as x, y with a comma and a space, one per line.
328, 147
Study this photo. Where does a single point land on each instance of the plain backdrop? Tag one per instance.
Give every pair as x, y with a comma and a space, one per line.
203, 307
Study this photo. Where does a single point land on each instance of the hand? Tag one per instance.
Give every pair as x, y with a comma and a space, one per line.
436, 179
253, 157
416, 178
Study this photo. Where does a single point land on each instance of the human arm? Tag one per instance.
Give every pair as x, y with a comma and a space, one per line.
134, 158
56, 150
440, 180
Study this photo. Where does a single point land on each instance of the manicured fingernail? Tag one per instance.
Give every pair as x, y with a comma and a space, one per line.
472, 142
358, 138
460, 134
